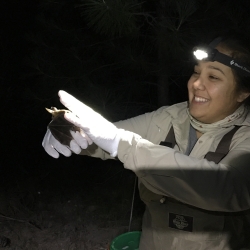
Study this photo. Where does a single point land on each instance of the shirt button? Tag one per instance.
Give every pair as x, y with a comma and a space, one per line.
162, 200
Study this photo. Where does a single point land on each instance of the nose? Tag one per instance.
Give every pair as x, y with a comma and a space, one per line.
198, 84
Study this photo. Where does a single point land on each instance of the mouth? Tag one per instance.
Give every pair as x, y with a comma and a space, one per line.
200, 99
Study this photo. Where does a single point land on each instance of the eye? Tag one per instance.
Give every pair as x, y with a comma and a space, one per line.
195, 72
213, 77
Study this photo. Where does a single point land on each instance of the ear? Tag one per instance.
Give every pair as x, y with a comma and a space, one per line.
242, 96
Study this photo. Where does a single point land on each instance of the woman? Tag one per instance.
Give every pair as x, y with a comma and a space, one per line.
193, 200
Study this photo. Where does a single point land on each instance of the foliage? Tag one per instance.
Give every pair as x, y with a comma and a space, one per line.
103, 72
116, 54
111, 17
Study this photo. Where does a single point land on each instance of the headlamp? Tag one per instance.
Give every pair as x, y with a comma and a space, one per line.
209, 53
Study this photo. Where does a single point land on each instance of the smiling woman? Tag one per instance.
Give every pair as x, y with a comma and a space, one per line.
215, 89
191, 159
213, 92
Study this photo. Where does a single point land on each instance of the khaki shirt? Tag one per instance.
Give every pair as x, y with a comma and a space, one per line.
191, 203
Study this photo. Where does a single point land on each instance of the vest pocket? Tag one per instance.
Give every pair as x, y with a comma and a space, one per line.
179, 226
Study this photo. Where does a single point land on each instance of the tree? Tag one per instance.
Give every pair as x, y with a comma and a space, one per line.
107, 72
171, 28
172, 41
124, 56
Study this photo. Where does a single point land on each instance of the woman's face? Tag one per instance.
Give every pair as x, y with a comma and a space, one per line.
212, 92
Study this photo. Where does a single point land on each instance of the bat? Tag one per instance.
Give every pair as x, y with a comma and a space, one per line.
60, 127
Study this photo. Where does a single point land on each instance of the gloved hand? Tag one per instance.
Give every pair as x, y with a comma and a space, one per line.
53, 147
102, 132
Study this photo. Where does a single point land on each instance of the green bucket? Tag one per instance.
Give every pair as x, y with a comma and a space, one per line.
126, 241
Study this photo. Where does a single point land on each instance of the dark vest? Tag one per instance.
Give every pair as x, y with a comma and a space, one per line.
220, 152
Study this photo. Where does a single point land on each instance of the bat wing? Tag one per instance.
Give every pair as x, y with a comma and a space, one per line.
60, 128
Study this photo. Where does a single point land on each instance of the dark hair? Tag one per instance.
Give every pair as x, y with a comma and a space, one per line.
238, 47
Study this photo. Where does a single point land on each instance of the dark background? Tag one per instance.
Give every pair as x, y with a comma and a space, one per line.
119, 70
123, 58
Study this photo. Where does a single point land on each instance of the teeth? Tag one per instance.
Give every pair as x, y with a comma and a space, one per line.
199, 99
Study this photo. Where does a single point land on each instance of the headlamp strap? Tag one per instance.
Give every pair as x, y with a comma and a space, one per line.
226, 60
215, 42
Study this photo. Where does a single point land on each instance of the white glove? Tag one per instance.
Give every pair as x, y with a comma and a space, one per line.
53, 147
102, 132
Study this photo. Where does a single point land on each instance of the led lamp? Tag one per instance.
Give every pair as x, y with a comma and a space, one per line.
209, 53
